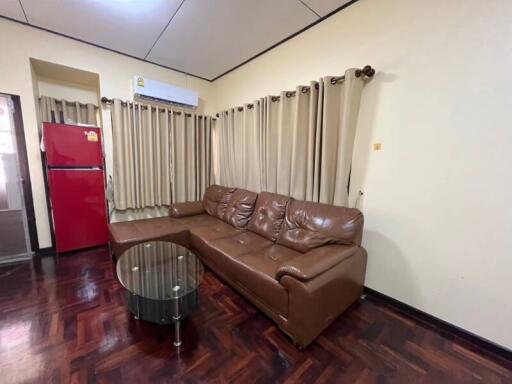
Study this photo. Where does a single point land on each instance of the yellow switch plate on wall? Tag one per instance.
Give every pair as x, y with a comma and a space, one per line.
377, 146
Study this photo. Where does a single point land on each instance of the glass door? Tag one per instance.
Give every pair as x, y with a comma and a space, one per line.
14, 237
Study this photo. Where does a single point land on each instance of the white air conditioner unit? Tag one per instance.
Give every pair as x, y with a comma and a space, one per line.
148, 89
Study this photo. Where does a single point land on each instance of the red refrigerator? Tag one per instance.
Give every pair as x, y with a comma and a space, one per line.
74, 166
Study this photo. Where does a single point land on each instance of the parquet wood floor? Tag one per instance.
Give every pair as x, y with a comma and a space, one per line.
63, 320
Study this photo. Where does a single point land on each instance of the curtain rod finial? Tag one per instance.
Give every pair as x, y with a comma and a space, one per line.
367, 71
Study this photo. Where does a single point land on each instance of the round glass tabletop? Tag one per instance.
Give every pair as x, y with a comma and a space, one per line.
159, 270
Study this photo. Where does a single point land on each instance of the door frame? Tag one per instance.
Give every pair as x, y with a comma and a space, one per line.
21, 147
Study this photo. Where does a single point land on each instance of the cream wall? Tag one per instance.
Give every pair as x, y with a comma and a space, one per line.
19, 43
67, 91
436, 197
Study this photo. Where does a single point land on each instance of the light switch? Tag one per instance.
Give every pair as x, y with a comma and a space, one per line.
377, 146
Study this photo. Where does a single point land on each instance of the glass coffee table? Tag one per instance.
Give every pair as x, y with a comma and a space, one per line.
161, 280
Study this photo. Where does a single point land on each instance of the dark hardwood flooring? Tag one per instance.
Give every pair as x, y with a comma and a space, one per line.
63, 320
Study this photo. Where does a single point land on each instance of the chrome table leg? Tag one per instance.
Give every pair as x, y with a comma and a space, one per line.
137, 316
177, 330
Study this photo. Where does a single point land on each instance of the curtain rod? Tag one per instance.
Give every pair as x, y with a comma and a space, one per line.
107, 101
70, 102
366, 71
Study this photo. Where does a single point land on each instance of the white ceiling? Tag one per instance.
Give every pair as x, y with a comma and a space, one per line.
12, 9
205, 38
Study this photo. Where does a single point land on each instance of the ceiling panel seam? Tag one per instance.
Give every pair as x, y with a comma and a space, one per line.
320, 19
23, 10
163, 30
349, 3
102, 47
308, 7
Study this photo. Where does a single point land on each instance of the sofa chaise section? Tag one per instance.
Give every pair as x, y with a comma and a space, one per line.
125, 234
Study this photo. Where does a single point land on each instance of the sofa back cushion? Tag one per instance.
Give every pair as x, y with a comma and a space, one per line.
310, 225
240, 208
216, 200
268, 215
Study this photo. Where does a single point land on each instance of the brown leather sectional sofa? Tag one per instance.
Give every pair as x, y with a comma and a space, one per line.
301, 263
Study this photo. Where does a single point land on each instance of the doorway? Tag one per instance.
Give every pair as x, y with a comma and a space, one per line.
15, 240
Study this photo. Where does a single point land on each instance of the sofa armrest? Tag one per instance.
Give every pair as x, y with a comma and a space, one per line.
315, 303
317, 261
190, 208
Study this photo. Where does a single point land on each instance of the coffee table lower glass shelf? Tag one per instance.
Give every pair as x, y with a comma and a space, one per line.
161, 281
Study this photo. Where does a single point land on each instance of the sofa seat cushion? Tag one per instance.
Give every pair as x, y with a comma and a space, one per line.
222, 251
270, 259
144, 230
214, 231
256, 272
216, 200
309, 225
239, 243
202, 220
268, 215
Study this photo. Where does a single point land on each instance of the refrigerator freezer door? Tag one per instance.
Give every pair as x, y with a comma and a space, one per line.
72, 145
78, 205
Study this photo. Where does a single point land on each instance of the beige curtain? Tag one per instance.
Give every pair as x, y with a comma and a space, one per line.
191, 149
141, 147
298, 144
246, 147
67, 112
160, 155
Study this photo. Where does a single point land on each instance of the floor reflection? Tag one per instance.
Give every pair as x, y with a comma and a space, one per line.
64, 320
